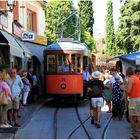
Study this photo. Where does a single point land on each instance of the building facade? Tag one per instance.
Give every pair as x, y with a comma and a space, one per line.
22, 38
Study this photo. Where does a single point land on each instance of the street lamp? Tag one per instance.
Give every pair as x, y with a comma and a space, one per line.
11, 4
124, 1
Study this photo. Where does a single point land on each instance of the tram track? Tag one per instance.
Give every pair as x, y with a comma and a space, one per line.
106, 128
55, 123
81, 125
77, 122
103, 135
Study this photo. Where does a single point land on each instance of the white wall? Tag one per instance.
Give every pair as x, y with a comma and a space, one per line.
10, 19
22, 19
41, 16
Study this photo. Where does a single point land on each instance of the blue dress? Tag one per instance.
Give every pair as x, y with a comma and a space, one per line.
117, 109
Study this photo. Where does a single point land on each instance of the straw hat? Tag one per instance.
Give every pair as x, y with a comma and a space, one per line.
96, 74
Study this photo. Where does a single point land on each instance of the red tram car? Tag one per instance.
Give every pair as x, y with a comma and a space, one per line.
63, 67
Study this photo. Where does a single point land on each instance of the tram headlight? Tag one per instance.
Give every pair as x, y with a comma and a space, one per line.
63, 86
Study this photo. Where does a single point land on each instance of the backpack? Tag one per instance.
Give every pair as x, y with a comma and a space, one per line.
96, 91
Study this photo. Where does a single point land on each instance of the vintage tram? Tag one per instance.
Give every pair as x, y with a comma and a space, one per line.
63, 68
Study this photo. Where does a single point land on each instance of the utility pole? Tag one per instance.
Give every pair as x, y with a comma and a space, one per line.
76, 26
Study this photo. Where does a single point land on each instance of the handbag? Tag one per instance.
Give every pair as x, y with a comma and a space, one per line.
3, 99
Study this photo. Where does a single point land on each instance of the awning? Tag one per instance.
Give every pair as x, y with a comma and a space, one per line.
36, 50
27, 52
130, 57
15, 49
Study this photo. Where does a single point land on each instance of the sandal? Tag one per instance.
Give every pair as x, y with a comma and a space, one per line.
97, 125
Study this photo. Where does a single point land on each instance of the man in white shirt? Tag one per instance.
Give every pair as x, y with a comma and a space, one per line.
86, 78
86, 74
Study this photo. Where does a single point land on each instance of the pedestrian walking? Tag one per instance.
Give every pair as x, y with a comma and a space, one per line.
86, 78
35, 87
96, 89
133, 90
16, 86
26, 88
107, 92
30, 78
117, 98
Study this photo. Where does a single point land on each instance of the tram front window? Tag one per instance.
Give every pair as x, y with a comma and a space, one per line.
51, 63
63, 63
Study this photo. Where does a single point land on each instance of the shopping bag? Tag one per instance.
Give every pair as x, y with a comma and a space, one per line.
3, 99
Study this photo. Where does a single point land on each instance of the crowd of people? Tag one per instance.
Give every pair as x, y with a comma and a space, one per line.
17, 89
120, 94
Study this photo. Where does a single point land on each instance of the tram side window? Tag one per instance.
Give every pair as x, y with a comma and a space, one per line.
51, 63
63, 63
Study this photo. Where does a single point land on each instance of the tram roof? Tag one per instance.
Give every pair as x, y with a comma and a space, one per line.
67, 46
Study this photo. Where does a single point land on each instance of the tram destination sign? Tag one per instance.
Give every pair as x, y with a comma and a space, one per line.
28, 36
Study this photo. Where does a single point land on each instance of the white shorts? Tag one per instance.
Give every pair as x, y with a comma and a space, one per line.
97, 102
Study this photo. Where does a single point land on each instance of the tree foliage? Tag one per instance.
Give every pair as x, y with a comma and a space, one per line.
57, 22
110, 49
128, 34
86, 23
62, 21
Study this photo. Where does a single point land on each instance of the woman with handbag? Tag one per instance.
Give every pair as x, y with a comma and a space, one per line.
4, 100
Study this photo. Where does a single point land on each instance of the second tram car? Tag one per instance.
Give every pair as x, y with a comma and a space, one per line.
63, 64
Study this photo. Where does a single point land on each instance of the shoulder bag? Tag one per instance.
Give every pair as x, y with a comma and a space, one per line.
3, 99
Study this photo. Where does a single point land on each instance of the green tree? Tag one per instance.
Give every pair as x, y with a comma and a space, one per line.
57, 22
86, 23
128, 34
110, 48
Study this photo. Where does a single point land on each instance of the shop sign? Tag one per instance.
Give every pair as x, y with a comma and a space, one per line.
28, 36
4, 20
40, 39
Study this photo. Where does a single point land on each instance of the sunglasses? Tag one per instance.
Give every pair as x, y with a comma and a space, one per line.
13, 72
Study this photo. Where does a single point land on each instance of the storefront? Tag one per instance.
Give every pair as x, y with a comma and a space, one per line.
37, 56
11, 53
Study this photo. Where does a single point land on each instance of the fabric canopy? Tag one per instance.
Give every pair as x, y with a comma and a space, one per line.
36, 50
15, 49
27, 52
130, 57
